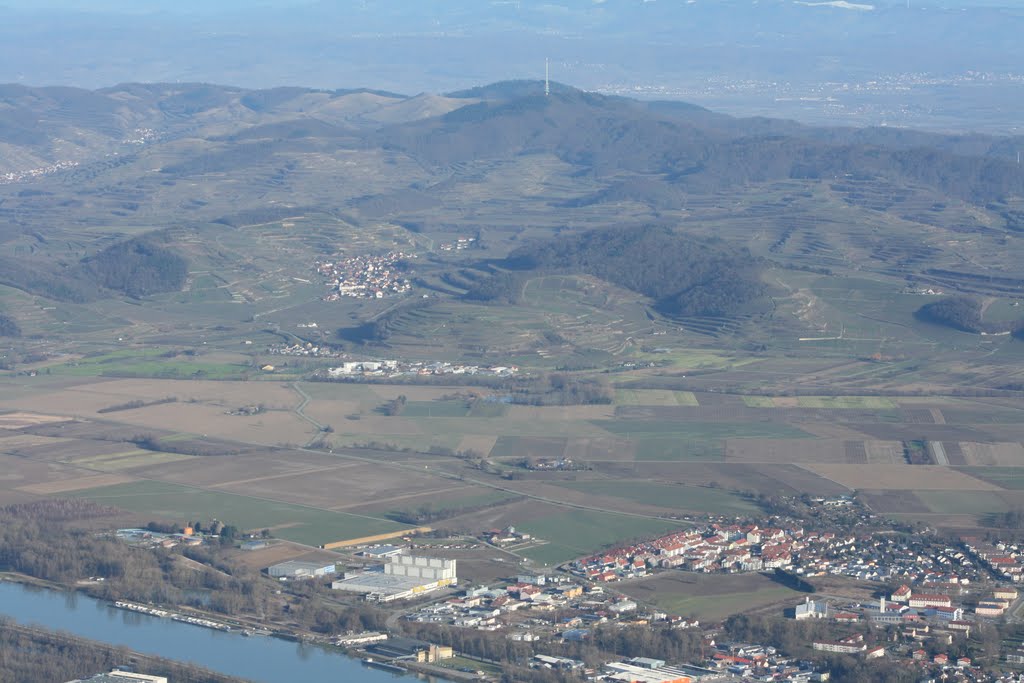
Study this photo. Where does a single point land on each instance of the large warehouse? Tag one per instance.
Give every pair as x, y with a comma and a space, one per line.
402, 577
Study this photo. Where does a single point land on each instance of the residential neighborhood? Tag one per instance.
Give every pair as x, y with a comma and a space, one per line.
733, 548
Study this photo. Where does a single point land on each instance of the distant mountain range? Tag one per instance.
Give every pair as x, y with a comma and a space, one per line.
675, 147
870, 60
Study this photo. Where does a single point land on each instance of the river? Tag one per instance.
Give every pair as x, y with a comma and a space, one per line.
258, 658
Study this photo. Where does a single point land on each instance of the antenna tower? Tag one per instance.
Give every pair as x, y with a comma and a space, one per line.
547, 82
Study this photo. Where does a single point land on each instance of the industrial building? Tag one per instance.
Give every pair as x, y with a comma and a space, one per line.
294, 569
382, 551
402, 577
643, 670
409, 648
430, 568
630, 673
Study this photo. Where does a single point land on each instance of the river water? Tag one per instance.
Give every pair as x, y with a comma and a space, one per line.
259, 658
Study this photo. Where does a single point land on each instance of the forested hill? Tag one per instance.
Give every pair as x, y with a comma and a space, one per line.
964, 313
136, 267
959, 312
684, 275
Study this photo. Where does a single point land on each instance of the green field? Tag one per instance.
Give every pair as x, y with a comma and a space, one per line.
460, 503
667, 448
487, 409
116, 462
710, 608
846, 402
962, 502
436, 409
701, 431
694, 498
529, 447
654, 397
147, 362
573, 533
1011, 478
759, 401
311, 526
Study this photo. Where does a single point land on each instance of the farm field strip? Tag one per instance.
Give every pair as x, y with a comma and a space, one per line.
900, 477
680, 497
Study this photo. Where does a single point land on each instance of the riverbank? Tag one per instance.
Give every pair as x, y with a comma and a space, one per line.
24, 649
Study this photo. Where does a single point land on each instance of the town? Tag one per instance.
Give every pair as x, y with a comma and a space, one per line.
20, 176
372, 277
930, 598
395, 368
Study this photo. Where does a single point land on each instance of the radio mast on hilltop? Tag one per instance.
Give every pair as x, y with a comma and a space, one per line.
547, 82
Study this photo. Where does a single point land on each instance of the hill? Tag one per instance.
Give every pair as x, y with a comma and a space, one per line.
136, 268
564, 199
959, 312
685, 276
687, 147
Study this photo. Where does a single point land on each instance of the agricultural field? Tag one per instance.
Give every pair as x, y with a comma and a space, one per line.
975, 503
715, 444
680, 497
654, 397
306, 525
